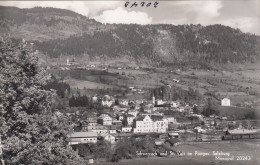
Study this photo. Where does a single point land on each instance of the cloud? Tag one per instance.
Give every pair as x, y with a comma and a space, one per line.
120, 15
87, 8
246, 24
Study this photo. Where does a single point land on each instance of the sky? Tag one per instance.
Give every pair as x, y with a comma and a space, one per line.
242, 14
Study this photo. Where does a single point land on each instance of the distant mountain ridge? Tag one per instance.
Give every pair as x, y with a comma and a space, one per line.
43, 23
63, 32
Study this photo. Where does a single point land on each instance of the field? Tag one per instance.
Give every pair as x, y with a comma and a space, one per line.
238, 149
240, 83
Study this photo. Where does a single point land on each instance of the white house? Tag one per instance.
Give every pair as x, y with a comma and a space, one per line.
160, 102
107, 101
225, 102
94, 99
121, 118
123, 102
133, 112
104, 119
112, 131
126, 129
170, 119
149, 124
83, 137
174, 104
110, 138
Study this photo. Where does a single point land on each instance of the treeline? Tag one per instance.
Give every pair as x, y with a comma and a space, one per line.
126, 148
176, 93
80, 101
62, 88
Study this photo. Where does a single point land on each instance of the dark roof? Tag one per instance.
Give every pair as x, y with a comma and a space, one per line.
156, 118
129, 115
140, 118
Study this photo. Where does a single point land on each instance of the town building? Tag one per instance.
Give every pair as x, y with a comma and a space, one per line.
133, 112
170, 119
123, 102
130, 119
83, 137
149, 124
104, 119
99, 129
126, 129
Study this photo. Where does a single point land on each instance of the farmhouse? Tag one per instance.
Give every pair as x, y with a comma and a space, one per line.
225, 102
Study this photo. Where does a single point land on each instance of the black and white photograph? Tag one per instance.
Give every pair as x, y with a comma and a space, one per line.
130, 82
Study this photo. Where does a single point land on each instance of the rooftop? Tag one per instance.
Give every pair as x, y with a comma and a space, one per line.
82, 134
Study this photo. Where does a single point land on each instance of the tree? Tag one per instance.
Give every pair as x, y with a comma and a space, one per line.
195, 109
31, 133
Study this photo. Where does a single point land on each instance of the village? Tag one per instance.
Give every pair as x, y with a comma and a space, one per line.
165, 121
136, 118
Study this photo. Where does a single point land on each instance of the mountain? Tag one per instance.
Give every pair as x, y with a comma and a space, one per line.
63, 32
43, 23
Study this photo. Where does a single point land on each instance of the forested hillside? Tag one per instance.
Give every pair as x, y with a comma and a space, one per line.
62, 32
191, 45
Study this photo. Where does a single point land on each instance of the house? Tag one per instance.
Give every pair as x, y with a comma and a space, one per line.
107, 103
199, 130
110, 138
92, 117
174, 104
123, 102
131, 88
160, 102
95, 99
130, 119
121, 118
99, 129
83, 137
225, 102
150, 124
170, 119
133, 112
174, 134
139, 101
181, 109
112, 130
126, 129
104, 119
243, 133
175, 80
116, 108
117, 122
